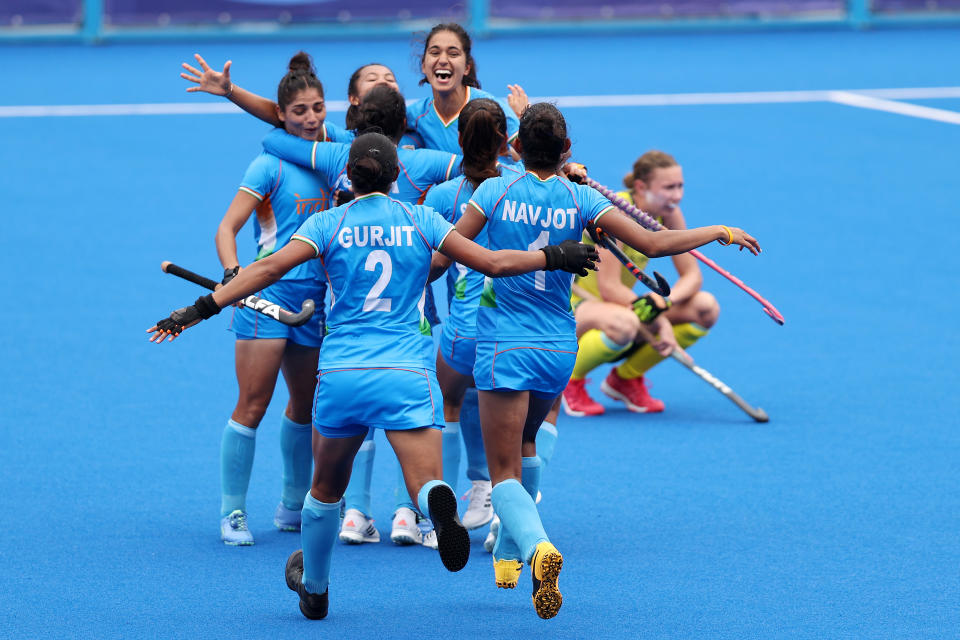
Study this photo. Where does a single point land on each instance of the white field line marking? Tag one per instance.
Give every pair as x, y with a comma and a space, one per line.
627, 100
901, 108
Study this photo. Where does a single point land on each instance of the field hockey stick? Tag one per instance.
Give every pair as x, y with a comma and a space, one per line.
646, 221
757, 413
661, 286
259, 305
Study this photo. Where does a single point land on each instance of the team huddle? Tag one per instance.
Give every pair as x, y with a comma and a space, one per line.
458, 185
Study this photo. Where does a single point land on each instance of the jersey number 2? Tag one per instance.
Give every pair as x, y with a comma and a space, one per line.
373, 301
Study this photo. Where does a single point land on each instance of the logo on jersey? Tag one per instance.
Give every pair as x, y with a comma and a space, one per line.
309, 206
561, 218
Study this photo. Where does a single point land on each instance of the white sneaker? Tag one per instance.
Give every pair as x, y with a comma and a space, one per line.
430, 540
233, 529
357, 528
479, 511
405, 530
491, 539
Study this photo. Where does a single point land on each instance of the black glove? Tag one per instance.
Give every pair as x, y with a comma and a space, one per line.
230, 274
648, 308
570, 256
202, 309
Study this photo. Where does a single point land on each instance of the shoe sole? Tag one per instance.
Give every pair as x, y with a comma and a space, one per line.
349, 537
453, 541
547, 599
404, 539
576, 414
286, 527
616, 395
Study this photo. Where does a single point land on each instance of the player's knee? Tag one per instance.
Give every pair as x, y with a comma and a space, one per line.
707, 309
622, 328
250, 410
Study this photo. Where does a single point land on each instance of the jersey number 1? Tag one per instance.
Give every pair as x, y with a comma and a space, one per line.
540, 277
373, 301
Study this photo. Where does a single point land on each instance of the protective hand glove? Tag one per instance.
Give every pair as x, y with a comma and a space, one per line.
571, 256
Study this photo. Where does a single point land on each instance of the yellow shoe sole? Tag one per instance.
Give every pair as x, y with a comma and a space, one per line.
547, 563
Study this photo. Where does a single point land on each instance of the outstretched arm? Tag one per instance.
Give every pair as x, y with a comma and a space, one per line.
468, 226
218, 83
569, 256
668, 243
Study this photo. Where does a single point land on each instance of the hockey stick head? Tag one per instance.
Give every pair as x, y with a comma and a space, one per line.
300, 318
662, 284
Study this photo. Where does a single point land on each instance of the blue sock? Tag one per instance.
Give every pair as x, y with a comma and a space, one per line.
424, 492
236, 462
473, 437
296, 451
546, 441
357, 495
401, 498
518, 514
320, 522
451, 453
506, 547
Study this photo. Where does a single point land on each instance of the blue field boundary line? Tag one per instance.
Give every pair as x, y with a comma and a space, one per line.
888, 100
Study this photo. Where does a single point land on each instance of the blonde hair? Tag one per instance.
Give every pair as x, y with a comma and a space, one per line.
645, 164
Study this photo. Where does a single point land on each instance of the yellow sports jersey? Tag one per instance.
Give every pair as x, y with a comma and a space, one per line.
589, 282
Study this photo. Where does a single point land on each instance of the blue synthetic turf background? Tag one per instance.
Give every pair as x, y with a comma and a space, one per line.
839, 518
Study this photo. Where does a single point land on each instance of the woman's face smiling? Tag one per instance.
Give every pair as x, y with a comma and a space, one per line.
444, 62
371, 76
305, 114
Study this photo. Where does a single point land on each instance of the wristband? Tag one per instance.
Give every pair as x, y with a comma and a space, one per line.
729, 236
206, 306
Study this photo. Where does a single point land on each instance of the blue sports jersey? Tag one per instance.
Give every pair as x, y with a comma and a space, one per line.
526, 212
375, 252
423, 118
288, 196
420, 169
334, 133
450, 200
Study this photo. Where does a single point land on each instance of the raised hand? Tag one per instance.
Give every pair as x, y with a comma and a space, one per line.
208, 80
744, 239
517, 99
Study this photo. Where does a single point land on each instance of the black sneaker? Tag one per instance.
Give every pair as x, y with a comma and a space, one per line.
312, 605
453, 541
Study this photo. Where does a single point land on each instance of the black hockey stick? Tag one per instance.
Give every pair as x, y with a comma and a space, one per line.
602, 238
259, 305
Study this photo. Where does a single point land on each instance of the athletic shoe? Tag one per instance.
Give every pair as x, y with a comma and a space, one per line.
233, 529
312, 605
404, 530
479, 511
453, 541
632, 392
545, 569
577, 402
286, 519
430, 539
507, 573
491, 538
357, 528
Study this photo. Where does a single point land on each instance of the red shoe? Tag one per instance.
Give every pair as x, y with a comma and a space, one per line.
632, 392
577, 402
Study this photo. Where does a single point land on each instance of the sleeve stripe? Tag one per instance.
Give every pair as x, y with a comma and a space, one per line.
313, 156
477, 207
310, 242
513, 137
252, 192
453, 159
597, 217
449, 231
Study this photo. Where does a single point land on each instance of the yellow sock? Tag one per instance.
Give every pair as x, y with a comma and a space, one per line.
646, 356
595, 349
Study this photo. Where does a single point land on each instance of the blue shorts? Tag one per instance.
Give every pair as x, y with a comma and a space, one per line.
289, 294
542, 368
349, 401
458, 351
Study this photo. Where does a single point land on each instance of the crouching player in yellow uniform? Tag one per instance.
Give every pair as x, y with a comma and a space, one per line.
608, 324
